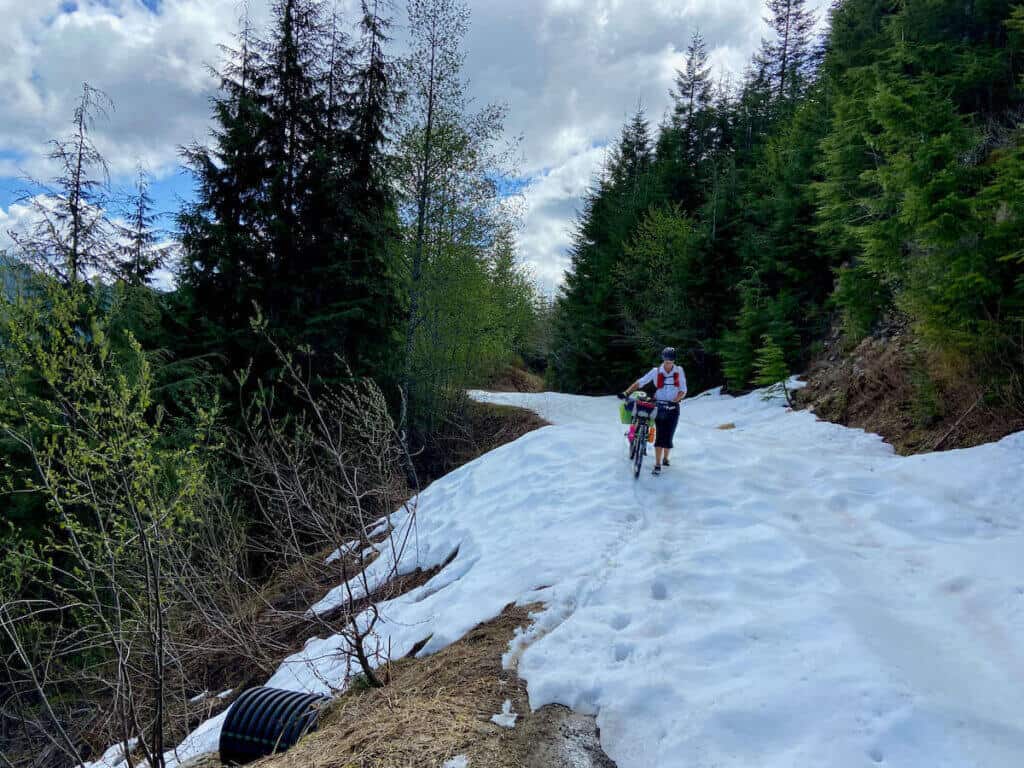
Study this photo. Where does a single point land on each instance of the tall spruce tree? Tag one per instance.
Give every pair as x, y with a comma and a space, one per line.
788, 58
692, 110
593, 349
295, 218
140, 255
226, 262
372, 295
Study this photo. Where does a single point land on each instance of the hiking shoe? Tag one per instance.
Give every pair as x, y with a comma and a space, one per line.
656, 470
665, 463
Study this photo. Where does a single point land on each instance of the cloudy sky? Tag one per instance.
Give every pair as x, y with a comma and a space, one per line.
571, 71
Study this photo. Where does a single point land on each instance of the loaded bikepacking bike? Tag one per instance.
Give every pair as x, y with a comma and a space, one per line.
641, 429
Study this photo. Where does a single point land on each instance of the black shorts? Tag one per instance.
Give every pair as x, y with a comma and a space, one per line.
665, 424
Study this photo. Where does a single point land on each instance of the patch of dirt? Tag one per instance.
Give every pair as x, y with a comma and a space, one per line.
887, 386
477, 429
440, 706
514, 378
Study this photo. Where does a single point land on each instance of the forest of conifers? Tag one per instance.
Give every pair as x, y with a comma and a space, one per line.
867, 170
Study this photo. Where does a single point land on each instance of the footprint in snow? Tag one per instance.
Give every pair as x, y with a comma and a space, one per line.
620, 621
659, 591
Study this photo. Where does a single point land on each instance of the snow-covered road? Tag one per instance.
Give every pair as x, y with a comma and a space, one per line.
789, 593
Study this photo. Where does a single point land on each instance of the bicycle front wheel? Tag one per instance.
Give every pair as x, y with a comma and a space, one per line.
641, 449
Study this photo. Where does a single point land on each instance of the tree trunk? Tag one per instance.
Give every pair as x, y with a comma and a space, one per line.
416, 274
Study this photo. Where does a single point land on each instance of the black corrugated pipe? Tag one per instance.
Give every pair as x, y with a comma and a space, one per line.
263, 721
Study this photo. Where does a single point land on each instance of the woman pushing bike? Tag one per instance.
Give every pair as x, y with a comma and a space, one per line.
670, 381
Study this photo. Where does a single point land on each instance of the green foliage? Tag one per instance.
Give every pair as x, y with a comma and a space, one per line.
862, 298
80, 405
925, 405
772, 371
590, 352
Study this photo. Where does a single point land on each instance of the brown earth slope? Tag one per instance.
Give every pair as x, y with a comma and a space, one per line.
886, 386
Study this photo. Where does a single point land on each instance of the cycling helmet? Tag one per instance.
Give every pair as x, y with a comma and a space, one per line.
668, 353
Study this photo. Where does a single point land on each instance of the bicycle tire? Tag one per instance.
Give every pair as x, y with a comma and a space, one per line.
638, 461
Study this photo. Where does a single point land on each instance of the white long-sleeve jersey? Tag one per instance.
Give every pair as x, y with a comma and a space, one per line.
671, 385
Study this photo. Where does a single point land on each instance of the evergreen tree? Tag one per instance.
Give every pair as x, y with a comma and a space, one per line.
788, 59
371, 286
140, 256
686, 143
692, 111
589, 326
772, 370
295, 215
224, 236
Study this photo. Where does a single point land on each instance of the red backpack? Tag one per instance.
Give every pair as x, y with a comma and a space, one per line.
674, 375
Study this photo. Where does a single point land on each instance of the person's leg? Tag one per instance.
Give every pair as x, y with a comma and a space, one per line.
670, 424
659, 438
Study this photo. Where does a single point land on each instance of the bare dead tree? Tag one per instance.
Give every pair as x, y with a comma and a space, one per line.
71, 236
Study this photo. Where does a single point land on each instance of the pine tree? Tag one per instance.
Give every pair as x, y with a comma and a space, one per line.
789, 57
140, 256
772, 371
371, 294
225, 237
589, 327
692, 108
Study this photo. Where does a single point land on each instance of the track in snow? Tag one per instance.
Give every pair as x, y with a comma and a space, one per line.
789, 593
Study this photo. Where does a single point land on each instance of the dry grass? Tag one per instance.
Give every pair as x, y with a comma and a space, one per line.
435, 708
727, 425
515, 379
480, 428
918, 402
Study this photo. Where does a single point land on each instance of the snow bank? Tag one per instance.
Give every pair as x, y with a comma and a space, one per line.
114, 757
789, 593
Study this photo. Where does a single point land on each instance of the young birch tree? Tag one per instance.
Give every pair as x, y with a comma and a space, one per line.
451, 159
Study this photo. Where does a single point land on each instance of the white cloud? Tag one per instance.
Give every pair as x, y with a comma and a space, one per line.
152, 65
19, 217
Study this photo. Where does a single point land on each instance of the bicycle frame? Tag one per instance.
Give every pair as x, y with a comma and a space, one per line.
641, 424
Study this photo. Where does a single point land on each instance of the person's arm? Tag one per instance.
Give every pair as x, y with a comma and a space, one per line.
682, 389
646, 379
